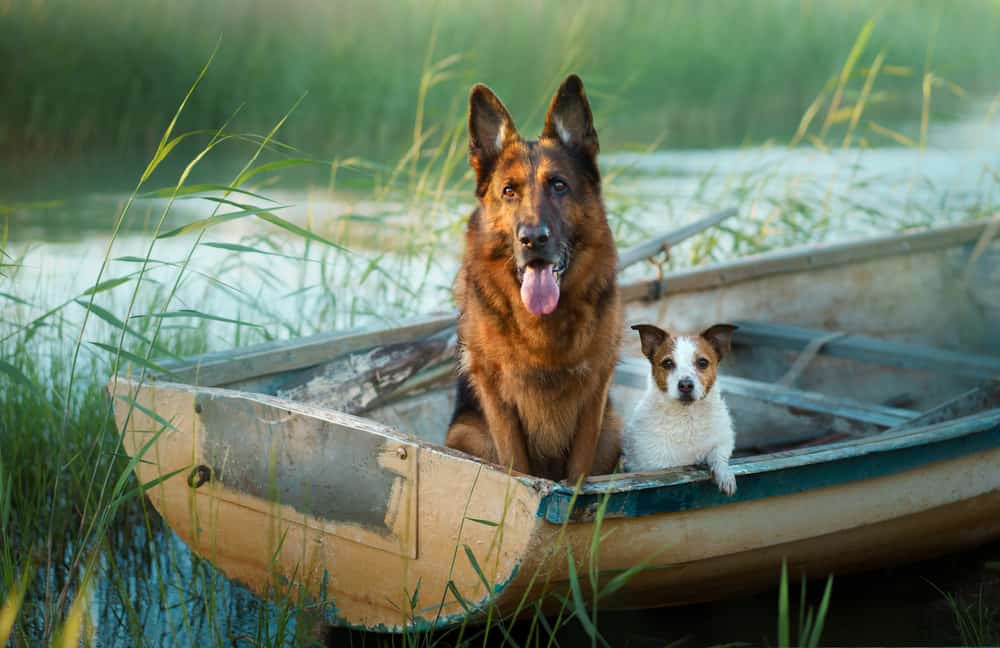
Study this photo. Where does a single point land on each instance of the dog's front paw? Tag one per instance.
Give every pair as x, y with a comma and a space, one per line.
726, 481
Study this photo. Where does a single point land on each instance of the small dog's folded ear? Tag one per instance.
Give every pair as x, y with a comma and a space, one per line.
569, 118
651, 338
490, 129
720, 336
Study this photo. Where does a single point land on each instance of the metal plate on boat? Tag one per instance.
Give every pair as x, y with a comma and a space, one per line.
347, 481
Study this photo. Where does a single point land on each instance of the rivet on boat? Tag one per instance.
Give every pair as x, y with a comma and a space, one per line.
199, 475
401, 452
197, 408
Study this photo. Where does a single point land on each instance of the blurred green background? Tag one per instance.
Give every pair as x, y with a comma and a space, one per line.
104, 76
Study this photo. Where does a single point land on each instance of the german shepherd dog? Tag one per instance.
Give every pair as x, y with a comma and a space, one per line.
540, 316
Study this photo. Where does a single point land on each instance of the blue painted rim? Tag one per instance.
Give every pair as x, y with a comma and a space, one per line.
694, 489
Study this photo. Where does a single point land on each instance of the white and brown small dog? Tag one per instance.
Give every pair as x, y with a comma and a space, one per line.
680, 420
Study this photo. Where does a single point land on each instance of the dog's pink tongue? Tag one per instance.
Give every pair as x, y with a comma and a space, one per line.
539, 291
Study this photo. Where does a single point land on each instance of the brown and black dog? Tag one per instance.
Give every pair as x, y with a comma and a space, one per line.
540, 317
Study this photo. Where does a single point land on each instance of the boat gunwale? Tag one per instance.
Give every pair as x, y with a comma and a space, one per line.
885, 441
806, 257
639, 494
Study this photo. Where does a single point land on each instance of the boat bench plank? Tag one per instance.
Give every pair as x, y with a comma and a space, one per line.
984, 397
868, 349
645, 250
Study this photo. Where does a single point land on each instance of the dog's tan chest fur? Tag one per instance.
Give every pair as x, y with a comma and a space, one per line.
548, 395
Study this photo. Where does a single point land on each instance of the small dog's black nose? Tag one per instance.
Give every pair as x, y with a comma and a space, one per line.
685, 385
533, 237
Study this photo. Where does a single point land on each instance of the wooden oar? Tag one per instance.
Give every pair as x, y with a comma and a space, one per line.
666, 241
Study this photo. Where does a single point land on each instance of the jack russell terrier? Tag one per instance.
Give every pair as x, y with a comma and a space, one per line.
680, 420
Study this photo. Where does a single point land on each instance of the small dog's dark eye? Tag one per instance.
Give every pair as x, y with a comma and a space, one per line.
508, 191
667, 364
703, 363
558, 186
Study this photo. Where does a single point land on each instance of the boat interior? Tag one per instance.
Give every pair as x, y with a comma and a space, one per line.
784, 392
787, 387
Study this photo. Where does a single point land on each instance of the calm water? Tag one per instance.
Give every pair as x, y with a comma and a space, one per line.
397, 265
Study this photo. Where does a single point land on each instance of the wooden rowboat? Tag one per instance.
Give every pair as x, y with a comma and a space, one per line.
868, 433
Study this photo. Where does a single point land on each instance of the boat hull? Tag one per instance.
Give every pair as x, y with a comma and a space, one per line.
475, 525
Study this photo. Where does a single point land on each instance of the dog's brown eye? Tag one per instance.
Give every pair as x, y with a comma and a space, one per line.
508, 191
703, 363
558, 186
667, 364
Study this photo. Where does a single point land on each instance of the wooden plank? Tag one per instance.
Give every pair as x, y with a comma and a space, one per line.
815, 402
432, 376
356, 382
221, 368
869, 349
984, 397
633, 372
803, 259
656, 245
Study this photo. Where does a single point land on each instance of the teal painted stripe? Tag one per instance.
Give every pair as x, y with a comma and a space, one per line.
637, 498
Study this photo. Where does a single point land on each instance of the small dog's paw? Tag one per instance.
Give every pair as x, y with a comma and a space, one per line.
726, 481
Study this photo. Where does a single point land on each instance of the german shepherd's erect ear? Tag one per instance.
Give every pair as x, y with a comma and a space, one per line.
538, 296
490, 129
569, 118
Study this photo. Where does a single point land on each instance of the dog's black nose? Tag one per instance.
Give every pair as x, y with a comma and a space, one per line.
685, 385
533, 237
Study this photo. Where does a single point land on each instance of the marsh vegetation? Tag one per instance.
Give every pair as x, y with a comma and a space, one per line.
313, 178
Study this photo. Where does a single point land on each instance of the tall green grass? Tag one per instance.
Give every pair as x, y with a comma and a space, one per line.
810, 621
976, 618
88, 77
70, 508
